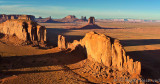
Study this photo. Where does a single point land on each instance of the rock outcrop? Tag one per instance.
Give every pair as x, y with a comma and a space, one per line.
108, 52
91, 24
91, 20
61, 42
26, 30
4, 17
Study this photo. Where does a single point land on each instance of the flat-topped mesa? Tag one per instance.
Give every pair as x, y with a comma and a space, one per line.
4, 17
107, 51
27, 17
70, 16
26, 30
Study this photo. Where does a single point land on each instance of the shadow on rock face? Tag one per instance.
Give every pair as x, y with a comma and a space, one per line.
1, 35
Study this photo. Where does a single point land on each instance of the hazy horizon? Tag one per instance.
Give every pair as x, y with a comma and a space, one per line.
101, 9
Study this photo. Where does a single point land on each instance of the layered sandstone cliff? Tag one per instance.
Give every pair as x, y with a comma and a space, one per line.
108, 52
26, 30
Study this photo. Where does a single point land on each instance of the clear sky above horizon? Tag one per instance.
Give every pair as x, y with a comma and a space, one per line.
101, 9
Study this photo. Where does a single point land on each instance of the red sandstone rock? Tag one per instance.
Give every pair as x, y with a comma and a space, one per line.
69, 18
91, 24
91, 20
109, 52
4, 17
26, 30
61, 42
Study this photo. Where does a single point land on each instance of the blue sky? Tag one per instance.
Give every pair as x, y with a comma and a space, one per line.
136, 9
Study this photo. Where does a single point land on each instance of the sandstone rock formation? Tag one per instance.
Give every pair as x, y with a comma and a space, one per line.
69, 18
26, 30
46, 20
91, 20
61, 42
4, 17
41, 33
83, 18
108, 52
91, 24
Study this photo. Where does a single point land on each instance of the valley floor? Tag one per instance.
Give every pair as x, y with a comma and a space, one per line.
27, 64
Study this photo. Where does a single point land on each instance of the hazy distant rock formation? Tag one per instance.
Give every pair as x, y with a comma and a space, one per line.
40, 17
26, 30
4, 17
83, 18
72, 18
91, 24
46, 20
107, 51
69, 18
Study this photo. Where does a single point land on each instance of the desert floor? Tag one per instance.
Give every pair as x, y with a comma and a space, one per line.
27, 64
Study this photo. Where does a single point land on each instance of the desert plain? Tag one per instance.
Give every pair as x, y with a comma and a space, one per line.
35, 65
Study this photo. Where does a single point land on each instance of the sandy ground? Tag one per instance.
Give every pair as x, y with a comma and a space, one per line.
27, 64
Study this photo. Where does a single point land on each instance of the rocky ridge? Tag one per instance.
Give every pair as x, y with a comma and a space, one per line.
107, 55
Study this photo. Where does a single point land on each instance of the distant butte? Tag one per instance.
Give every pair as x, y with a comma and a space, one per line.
45, 20
91, 24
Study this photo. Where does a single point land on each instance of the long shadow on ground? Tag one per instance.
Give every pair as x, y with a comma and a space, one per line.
137, 42
52, 35
60, 58
150, 61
